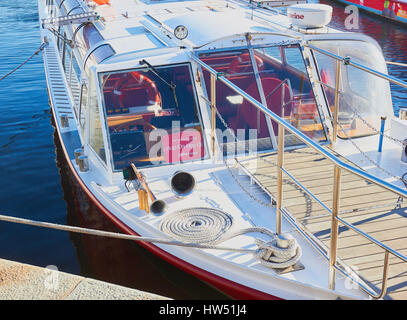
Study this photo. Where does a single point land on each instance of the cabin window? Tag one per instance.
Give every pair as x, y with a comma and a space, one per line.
273, 52
91, 38
95, 125
152, 116
232, 121
59, 40
293, 57
99, 54
72, 73
362, 95
65, 52
284, 85
73, 78
289, 93
83, 108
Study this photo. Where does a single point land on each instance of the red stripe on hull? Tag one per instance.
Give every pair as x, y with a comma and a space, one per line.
230, 288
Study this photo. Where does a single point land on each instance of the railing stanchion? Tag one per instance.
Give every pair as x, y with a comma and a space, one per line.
385, 273
213, 115
339, 165
336, 105
334, 226
280, 160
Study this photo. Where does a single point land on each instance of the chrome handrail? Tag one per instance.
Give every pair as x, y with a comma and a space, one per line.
348, 61
302, 136
338, 165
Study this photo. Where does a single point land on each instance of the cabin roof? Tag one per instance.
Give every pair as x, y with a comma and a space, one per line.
124, 22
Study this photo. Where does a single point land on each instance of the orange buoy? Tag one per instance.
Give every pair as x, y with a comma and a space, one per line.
100, 2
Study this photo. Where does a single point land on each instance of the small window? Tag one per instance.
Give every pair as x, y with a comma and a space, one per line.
99, 54
152, 116
273, 52
95, 126
294, 58
83, 107
59, 40
66, 56
361, 94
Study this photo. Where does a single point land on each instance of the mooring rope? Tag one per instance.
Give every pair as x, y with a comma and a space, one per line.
198, 225
265, 251
43, 45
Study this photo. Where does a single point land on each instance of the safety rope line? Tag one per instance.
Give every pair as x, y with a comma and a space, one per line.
43, 45
282, 245
95, 232
369, 159
371, 127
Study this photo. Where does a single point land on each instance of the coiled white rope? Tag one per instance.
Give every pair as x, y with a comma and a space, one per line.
198, 225
280, 252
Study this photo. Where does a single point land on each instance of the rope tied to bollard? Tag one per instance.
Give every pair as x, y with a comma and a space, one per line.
278, 253
42, 46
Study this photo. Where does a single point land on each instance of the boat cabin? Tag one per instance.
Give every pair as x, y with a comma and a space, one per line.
142, 97
182, 89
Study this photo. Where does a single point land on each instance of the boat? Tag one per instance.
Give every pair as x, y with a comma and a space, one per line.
248, 148
388, 9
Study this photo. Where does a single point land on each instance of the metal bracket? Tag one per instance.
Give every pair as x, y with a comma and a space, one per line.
57, 34
69, 19
219, 74
346, 61
296, 267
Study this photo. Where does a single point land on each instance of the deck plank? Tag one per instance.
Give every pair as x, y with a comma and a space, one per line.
370, 208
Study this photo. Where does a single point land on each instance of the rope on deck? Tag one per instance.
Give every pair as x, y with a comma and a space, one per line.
264, 252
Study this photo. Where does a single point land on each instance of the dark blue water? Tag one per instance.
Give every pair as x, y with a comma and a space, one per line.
29, 176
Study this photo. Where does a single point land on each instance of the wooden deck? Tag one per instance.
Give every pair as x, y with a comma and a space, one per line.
370, 208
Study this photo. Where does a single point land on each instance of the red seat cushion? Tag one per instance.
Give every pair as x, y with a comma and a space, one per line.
249, 112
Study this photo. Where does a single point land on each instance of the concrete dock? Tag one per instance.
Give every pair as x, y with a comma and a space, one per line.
20, 281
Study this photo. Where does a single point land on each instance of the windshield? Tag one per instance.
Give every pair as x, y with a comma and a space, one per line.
152, 116
275, 76
363, 97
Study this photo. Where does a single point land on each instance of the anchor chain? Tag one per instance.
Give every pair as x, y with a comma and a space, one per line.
371, 127
368, 158
248, 193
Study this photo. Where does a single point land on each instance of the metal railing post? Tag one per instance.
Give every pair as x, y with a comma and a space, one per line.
336, 105
339, 165
385, 275
334, 226
213, 115
280, 161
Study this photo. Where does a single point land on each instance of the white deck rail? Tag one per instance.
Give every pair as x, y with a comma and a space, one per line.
339, 165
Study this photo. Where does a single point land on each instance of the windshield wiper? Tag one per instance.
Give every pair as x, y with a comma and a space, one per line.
170, 84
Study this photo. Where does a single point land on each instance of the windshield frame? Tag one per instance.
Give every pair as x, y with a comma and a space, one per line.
315, 41
198, 106
308, 72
